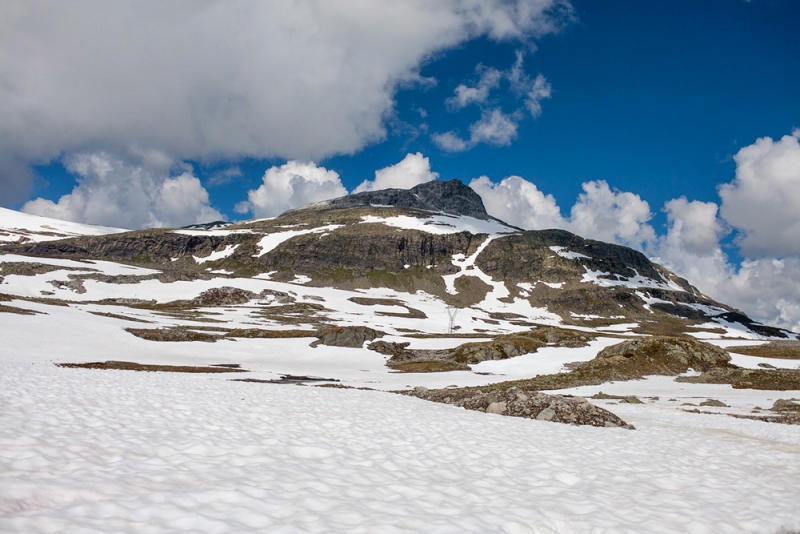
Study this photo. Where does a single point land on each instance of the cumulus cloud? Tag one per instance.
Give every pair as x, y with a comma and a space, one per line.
450, 142
762, 201
466, 95
494, 128
519, 202
413, 170
130, 194
599, 212
532, 90
289, 186
218, 80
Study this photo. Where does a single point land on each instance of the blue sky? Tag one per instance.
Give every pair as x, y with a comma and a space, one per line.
162, 114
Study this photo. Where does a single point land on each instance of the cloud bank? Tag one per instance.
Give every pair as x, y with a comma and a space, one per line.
222, 80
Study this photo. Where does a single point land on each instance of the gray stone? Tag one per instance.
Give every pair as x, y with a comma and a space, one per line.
496, 407
546, 415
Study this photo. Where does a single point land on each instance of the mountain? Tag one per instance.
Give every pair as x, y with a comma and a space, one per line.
435, 239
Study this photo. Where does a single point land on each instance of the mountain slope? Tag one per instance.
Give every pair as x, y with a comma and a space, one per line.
18, 227
451, 250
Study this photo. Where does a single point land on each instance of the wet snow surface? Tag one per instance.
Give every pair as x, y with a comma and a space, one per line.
115, 451
94, 451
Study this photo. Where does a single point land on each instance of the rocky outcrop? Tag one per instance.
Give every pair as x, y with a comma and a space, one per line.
451, 197
345, 336
517, 402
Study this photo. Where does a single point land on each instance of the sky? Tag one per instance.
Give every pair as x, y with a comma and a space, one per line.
668, 126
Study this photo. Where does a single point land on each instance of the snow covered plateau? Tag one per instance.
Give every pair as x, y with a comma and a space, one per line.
87, 450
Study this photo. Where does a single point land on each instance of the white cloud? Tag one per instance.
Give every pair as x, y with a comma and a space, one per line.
494, 128
599, 213
450, 142
519, 202
763, 199
691, 247
115, 192
289, 186
612, 216
413, 170
694, 225
218, 80
465, 95
533, 90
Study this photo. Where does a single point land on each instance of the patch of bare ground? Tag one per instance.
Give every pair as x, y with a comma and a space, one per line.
632, 360
429, 366
24, 268
17, 311
118, 316
412, 313
211, 334
176, 333
460, 357
424, 335
296, 313
133, 366
738, 378
260, 333
519, 402
784, 350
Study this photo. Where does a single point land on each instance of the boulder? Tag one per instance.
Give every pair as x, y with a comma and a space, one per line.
345, 336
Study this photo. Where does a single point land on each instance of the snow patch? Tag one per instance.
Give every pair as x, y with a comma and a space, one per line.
217, 255
561, 251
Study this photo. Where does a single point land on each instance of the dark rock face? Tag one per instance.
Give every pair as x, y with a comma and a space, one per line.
451, 197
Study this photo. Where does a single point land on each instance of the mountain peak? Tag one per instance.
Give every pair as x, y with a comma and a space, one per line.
452, 197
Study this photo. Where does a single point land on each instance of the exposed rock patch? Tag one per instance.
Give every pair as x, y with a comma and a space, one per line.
345, 336
517, 402
636, 359
775, 379
451, 197
133, 366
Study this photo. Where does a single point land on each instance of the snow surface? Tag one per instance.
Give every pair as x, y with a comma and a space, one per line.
15, 225
442, 224
215, 232
271, 241
217, 255
561, 251
636, 281
117, 451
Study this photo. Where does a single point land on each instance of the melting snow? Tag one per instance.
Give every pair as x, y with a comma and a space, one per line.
569, 255
442, 224
271, 241
636, 281
217, 255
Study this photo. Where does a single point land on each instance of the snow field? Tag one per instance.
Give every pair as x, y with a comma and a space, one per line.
116, 451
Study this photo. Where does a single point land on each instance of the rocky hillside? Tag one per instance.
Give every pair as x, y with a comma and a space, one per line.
436, 238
